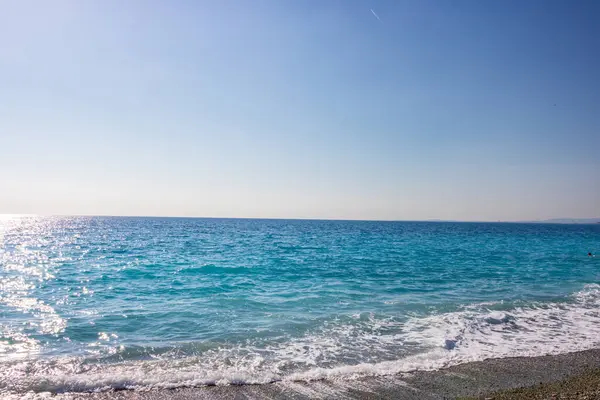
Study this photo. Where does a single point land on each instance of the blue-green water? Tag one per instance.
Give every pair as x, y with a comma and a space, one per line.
99, 303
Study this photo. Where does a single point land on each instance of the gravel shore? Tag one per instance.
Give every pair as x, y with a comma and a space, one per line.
585, 386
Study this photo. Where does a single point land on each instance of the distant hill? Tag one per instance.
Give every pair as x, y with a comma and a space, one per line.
572, 221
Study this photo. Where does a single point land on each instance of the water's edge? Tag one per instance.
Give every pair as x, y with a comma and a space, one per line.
464, 380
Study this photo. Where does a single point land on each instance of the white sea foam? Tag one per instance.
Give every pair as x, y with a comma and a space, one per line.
339, 350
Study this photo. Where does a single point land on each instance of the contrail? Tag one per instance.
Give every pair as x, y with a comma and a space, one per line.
376, 16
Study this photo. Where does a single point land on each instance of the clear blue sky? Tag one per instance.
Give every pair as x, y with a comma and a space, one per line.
471, 110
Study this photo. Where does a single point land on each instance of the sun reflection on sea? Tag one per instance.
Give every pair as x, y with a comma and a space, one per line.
24, 266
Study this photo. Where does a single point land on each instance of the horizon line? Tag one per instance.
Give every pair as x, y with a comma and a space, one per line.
590, 220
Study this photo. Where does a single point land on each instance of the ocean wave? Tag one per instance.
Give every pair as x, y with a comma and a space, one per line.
361, 345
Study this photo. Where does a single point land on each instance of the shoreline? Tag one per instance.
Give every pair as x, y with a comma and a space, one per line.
478, 379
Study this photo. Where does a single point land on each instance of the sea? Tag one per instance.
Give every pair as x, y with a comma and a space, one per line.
102, 303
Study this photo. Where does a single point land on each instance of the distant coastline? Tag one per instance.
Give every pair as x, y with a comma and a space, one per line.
571, 221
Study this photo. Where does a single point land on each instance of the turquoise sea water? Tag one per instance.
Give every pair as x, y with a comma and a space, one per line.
94, 303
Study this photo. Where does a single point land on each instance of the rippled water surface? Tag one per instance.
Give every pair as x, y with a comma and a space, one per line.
93, 303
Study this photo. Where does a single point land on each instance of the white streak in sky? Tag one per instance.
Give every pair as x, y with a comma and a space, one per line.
376, 16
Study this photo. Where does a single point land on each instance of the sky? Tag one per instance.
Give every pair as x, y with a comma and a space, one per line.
341, 109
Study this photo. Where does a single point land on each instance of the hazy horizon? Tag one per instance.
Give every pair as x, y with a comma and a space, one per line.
379, 110
592, 220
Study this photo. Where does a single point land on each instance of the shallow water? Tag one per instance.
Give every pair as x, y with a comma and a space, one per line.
94, 303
